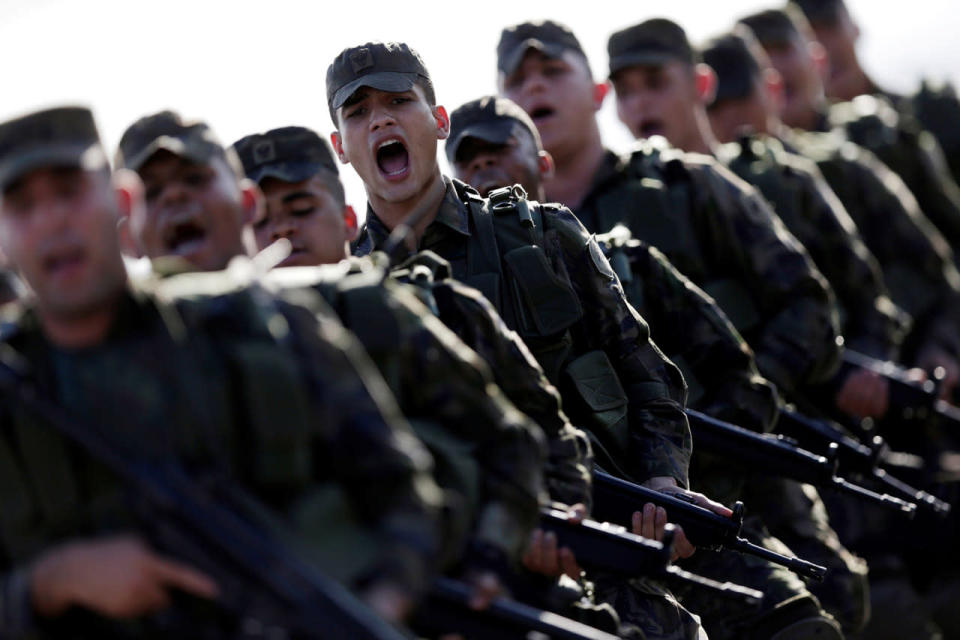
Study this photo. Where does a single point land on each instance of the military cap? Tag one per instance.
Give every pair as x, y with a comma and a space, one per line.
652, 42
291, 154
775, 26
825, 12
546, 36
168, 131
733, 58
491, 119
388, 66
65, 136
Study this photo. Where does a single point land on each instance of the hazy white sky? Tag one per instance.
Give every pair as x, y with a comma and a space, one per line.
248, 66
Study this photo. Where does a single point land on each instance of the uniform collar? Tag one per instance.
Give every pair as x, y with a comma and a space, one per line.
451, 214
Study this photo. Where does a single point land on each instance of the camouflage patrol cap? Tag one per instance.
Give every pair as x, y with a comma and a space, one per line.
548, 37
491, 119
733, 58
168, 131
652, 42
776, 26
291, 154
387, 66
65, 136
821, 12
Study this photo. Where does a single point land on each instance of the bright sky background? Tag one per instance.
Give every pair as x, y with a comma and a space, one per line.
249, 66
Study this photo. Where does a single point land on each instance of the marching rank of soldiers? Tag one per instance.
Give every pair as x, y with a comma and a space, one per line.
702, 389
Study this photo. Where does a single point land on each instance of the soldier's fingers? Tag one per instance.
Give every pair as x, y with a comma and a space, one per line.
171, 573
577, 513
660, 522
648, 522
550, 560
533, 558
568, 561
681, 546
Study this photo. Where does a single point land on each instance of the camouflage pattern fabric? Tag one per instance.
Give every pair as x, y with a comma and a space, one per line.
793, 185
188, 383
713, 227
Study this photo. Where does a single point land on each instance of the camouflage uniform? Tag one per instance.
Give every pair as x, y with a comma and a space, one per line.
209, 382
577, 323
793, 185
916, 260
476, 322
729, 232
485, 451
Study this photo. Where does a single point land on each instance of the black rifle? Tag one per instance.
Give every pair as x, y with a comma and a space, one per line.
616, 500
612, 549
780, 456
447, 610
854, 457
910, 400
265, 586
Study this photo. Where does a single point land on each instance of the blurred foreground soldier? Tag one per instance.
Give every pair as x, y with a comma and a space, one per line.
437, 381
915, 256
203, 381
868, 120
536, 263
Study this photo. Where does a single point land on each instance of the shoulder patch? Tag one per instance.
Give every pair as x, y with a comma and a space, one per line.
599, 261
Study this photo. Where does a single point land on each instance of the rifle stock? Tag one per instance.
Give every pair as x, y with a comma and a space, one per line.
616, 500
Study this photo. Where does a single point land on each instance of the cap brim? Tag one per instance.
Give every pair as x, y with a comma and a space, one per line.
512, 60
647, 58
288, 171
392, 81
494, 131
199, 153
87, 157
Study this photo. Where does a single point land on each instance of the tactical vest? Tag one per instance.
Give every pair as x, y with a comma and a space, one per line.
277, 422
667, 222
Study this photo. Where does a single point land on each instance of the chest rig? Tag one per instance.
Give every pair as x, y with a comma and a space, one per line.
506, 261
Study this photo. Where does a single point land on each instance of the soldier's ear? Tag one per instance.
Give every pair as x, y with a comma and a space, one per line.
545, 164
443, 122
773, 84
350, 219
818, 54
128, 189
252, 200
337, 142
706, 83
600, 91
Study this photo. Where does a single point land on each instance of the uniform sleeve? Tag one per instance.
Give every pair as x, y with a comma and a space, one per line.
474, 319
655, 390
16, 608
795, 343
364, 444
696, 334
445, 381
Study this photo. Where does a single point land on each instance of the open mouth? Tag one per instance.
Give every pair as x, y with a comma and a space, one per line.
540, 114
393, 160
651, 128
185, 238
64, 261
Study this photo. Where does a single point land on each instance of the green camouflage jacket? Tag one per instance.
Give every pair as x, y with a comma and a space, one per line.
551, 284
720, 233
793, 185
475, 321
916, 260
277, 395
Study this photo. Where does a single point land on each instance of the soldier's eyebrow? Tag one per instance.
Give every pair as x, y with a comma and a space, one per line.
296, 195
358, 96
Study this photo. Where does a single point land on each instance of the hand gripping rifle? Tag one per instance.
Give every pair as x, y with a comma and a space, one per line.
616, 500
